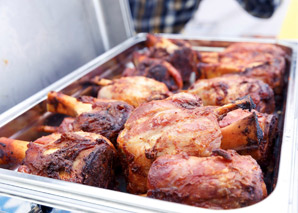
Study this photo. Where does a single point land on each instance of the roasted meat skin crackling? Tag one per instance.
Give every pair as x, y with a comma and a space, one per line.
222, 90
265, 62
134, 90
216, 182
79, 157
177, 124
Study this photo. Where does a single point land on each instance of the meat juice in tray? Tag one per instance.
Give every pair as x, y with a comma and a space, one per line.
176, 133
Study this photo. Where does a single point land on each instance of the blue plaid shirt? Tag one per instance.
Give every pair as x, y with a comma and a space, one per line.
170, 16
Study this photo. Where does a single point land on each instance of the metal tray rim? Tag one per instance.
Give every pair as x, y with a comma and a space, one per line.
10, 180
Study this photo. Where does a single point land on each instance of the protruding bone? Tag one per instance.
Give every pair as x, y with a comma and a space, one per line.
266, 122
243, 134
65, 126
264, 152
64, 104
243, 103
48, 129
12, 152
101, 81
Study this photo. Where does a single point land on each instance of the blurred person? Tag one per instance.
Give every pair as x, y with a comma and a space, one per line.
170, 16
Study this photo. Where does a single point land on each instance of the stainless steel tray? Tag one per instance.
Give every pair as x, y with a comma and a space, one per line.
21, 121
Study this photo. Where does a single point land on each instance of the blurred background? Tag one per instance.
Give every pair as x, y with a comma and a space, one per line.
227, 18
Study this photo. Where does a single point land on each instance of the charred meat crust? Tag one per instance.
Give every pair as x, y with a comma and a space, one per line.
265, 62
157, 69
249, 104
184, 60
260, 133
97, 169
222, 90
107, 120
254, 144
267, 144
52, 100
180, 55
8, 158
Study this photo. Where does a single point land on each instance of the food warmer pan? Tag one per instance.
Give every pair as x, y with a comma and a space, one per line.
21, 121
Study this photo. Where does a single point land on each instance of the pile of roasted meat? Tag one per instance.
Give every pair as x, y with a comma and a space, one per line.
186, 126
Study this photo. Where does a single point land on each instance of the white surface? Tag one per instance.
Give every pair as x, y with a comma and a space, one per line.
227, 18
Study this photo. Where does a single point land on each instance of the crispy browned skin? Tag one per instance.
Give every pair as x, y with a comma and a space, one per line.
174, 125
209, 182
261, 61
179, 54
222, 90
134, 90
79, 157
105, 117
12, 152
261, 150
256, 47
157, 69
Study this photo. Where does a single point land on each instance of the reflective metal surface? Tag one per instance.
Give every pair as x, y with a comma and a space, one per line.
42, 41
21, 121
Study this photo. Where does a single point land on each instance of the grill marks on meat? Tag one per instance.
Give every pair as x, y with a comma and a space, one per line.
78, 157
222, 90
210, 182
